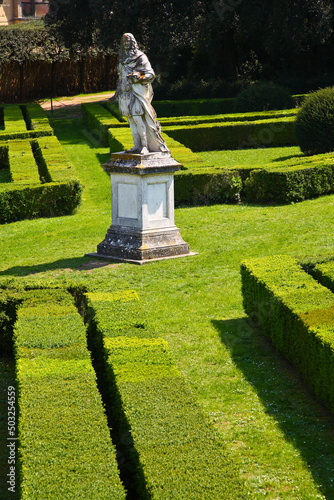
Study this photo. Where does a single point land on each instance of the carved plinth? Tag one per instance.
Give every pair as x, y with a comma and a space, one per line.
124, 243
142, 194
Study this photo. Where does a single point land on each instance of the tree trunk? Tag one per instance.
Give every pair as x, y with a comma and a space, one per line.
107, 62
229, 56
82, 75
22, 82
53, 78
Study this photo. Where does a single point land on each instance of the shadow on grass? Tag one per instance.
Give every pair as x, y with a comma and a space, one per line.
286, 398
75, 264
103, 158
7, 379
282, 158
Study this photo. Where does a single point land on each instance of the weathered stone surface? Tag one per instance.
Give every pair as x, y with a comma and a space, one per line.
142, 194
132, 244
134, 95
150, 163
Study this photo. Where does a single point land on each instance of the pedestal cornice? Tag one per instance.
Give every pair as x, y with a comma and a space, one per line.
138, 164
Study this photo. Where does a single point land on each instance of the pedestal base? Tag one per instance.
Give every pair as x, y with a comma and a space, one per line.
142, 195
130, 244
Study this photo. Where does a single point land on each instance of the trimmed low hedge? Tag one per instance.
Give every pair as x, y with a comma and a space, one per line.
23, 121
273, 132
22, 164
52, 160
171, 451
99, 120
42, 181
293, 180
36, 120
297, 313
45, 200
202, 186
231, 117
324, 273
120, 139
287, 181
9, 301
194, 107
64, 442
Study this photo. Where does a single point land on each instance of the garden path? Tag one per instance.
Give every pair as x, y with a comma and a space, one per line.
72, 103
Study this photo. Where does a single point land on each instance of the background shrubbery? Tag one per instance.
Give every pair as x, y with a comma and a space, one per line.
315, 123
263, 96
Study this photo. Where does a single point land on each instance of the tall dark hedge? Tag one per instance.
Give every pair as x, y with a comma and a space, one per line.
263, 96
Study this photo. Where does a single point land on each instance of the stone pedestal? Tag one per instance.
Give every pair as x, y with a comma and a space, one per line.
142, 194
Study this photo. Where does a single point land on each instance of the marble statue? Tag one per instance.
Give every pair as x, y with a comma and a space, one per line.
134, 95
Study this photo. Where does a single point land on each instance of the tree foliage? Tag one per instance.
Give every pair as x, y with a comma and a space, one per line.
277, 34
206, 38
74, 22
30, 42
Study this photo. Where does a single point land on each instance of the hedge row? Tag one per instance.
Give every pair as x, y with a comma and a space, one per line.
27, 120
36, 119
236, 135
99, 120
235, 117
9, 300
22, 165
324, 273
193, 119
46, 200
202, 186
297, 313
169, 449
41, 180
292, 180
194, 107
64, 441
120, 139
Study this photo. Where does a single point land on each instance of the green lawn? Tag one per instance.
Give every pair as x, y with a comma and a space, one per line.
246, 157
280, 438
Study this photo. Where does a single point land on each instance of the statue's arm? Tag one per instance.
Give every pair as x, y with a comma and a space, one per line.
143, 72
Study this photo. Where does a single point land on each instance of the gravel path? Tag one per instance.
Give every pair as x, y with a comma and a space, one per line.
67, 103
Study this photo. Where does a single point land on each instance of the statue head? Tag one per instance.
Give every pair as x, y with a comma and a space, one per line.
129, 42
128, 48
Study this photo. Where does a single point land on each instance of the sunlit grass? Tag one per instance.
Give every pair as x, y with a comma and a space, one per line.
246, 157
280, 438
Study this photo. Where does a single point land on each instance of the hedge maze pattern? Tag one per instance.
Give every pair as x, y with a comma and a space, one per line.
162, 447
297, 312
286, 181
36, 179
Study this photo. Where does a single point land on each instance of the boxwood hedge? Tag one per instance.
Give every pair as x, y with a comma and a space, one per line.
22, 121
291, 180
65, 447
233, 135
285, 181
169, 449
297, 313
40, 180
